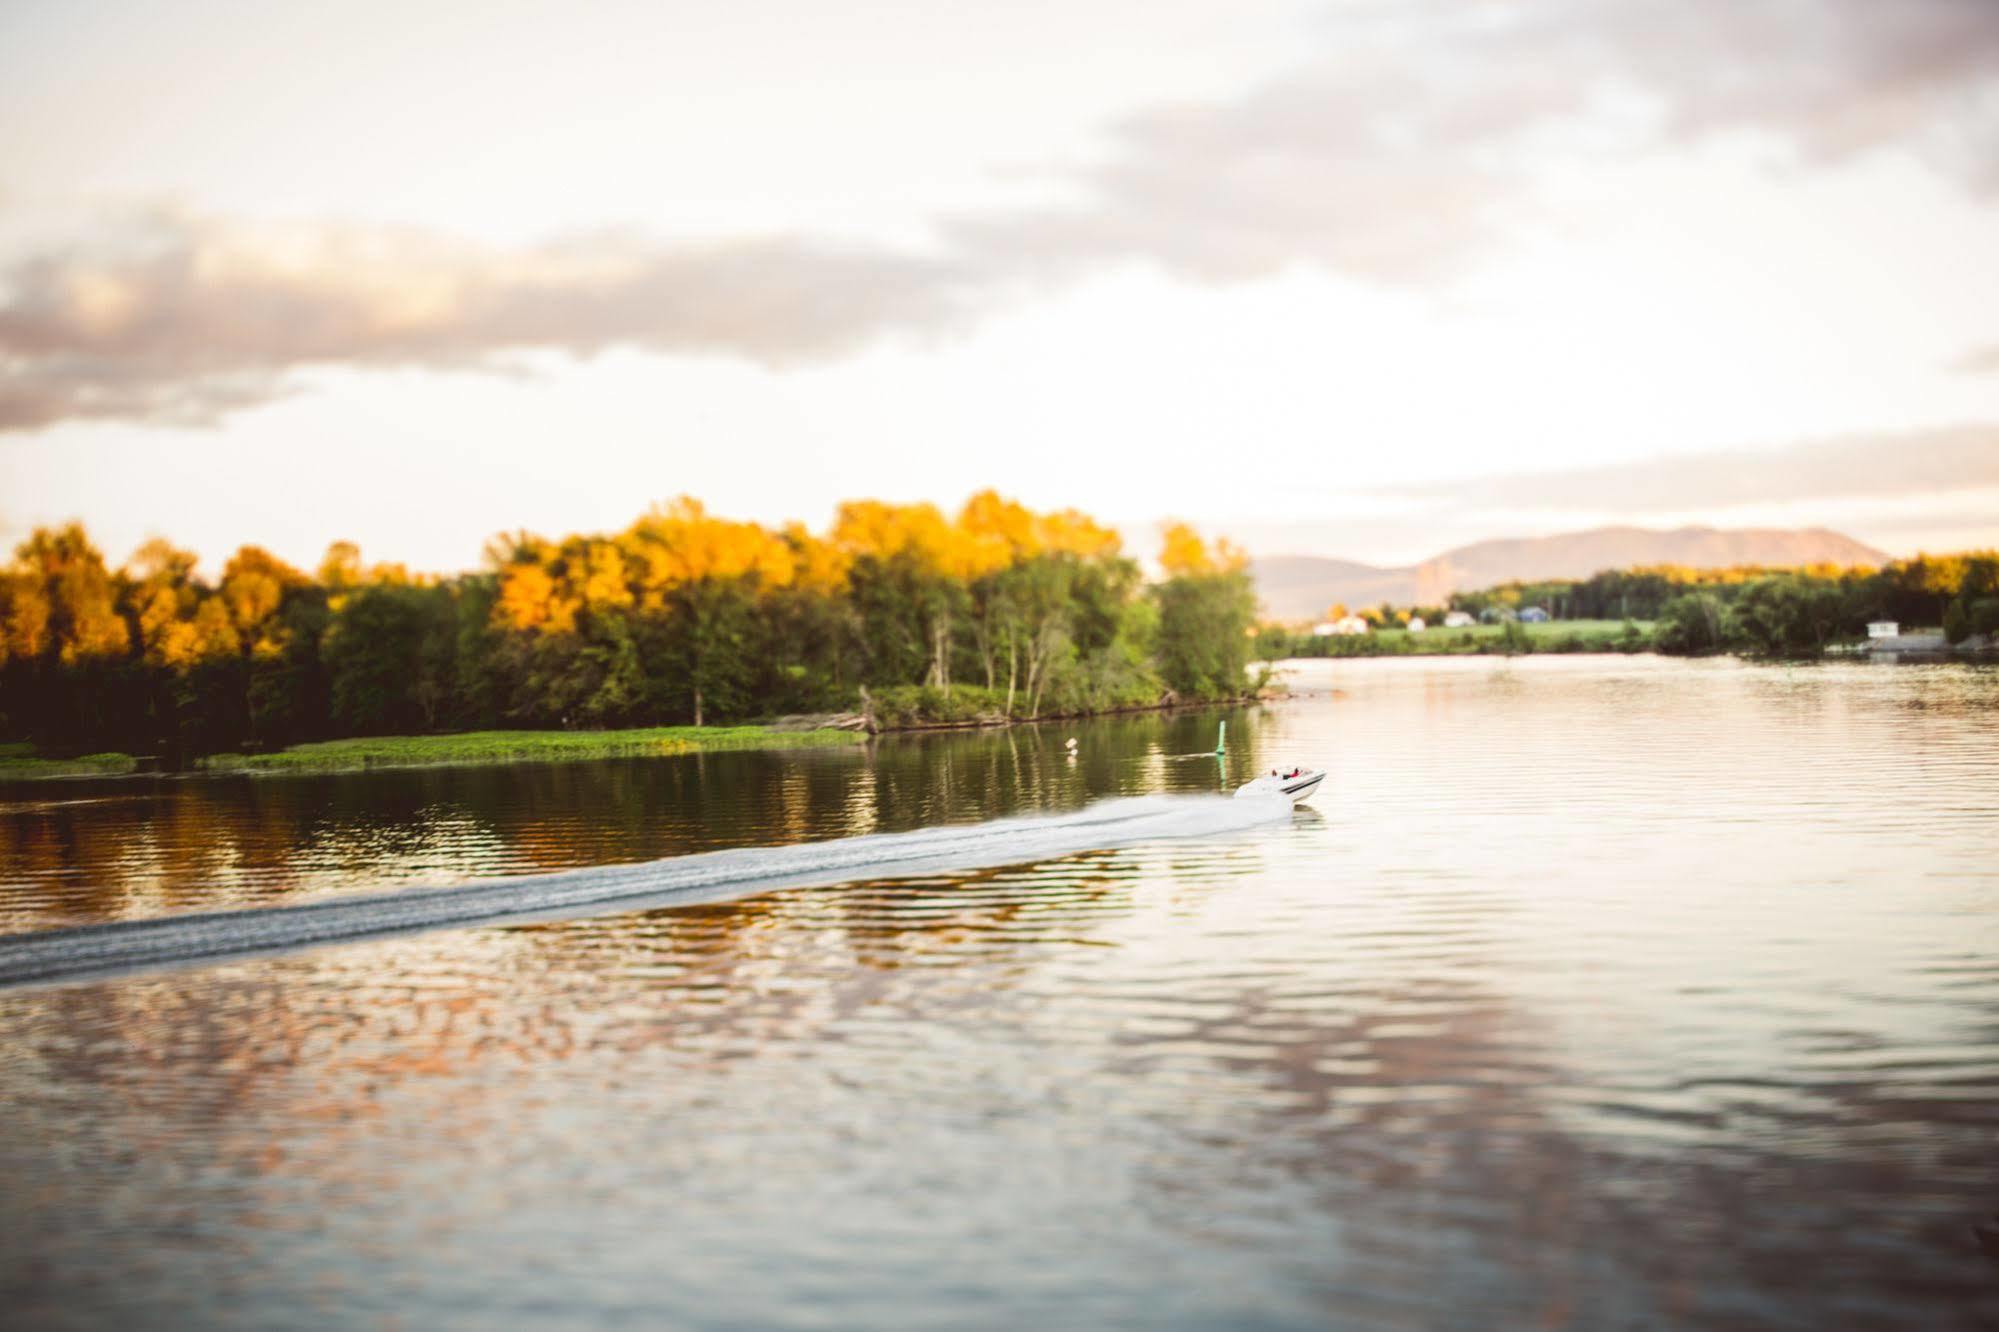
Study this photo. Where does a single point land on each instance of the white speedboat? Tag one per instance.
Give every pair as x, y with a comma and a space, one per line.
1295, 784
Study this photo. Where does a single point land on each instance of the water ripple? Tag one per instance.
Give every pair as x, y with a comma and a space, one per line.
1597, 993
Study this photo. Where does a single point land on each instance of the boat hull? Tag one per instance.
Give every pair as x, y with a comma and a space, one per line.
1297, 789
1304, 788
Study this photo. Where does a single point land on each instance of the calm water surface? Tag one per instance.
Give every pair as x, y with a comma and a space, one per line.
1595, 993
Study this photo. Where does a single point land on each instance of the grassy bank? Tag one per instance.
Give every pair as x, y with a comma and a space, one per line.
19, 762
1554, 636
923, 707
477, 747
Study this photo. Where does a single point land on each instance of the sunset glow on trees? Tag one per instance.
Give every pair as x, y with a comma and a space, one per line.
683, 616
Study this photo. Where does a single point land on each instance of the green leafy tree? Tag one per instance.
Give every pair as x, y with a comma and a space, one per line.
1691, 624
374, 659
1207, 605
1789, 616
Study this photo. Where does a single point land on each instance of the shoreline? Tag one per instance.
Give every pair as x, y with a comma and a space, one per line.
1128, 710
28, 767
1547, 638
472, 749
465, 749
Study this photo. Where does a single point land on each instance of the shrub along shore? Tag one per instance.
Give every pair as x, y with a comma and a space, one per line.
897, 709
908, 708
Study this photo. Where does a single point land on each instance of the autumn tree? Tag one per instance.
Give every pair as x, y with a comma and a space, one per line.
700, 582
908, 574
66, 642
1207, 605
66, 574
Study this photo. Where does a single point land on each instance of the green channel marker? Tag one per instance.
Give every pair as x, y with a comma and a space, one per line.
1221, 739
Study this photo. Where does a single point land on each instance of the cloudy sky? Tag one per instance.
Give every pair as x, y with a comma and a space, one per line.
1365, 278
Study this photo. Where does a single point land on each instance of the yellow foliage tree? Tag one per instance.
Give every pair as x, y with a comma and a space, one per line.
60, 569
1183, 553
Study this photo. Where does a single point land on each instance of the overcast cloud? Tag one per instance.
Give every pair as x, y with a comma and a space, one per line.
1407, 149
1876, 466
184, 318
1979, 361
1411, 145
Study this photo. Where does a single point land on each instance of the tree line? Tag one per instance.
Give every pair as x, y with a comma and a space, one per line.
685, 616
1801, 613
1763, 611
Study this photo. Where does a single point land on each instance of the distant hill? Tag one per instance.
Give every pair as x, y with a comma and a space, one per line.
1301, 587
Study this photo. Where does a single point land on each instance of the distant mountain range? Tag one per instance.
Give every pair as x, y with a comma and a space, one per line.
1301, 587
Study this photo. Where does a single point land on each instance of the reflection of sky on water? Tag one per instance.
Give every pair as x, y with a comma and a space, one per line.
1592, 997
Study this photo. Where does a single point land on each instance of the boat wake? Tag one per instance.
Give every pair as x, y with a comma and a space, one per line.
92, 951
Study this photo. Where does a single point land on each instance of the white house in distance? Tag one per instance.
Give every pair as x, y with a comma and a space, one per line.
1458, 620
1416, 625
1883, 629
1347, 624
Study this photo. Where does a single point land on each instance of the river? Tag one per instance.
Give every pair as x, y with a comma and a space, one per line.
1593, 992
